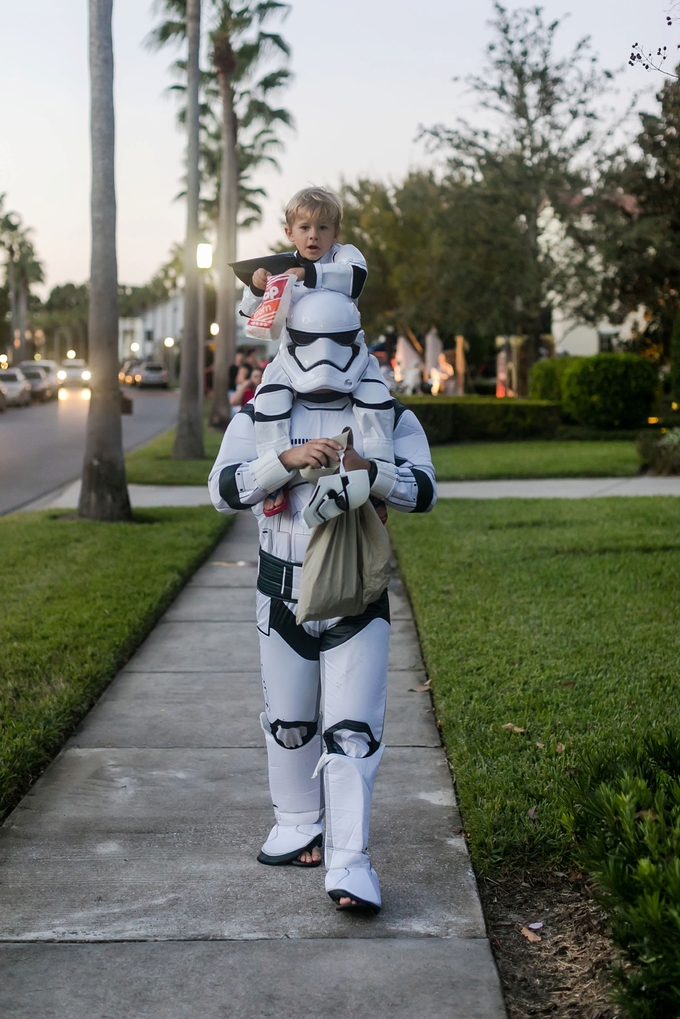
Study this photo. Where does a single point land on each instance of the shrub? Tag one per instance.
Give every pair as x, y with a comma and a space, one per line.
610, 390
661, 453
675, 358
545, 378
467, 418
623, 810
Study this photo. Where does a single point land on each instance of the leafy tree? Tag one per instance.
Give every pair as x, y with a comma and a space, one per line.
104, 494
526, 171
635, 227
63, 318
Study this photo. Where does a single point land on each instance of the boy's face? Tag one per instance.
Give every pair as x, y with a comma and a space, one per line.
312, 237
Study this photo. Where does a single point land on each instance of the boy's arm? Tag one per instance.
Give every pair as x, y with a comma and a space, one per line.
249, 302
346, 273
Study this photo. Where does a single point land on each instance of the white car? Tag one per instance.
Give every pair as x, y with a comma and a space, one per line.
50, 368
74, 373
150, 374
16, 387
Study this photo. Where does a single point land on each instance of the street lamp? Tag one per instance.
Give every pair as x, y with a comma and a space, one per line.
214, 329
203, 261
169, 344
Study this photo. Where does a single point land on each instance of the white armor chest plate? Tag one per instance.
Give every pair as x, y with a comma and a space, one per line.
286, 535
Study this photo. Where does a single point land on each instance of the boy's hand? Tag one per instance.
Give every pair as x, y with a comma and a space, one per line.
260, 277
298, 273
316, 453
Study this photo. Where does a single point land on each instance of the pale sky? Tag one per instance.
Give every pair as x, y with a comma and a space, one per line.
367, 73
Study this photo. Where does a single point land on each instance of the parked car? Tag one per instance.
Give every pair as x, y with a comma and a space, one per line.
127, 373
3, 399
150, 374
74, 373
17, 388
41, 388
51, 368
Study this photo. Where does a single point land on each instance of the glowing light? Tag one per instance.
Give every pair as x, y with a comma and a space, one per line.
675, 406
134, 347
204, 256
214, 329
652, 421
61, 375
63, 394
37, 357
85, 394
169, 342
86, 376
70, 354
138, 378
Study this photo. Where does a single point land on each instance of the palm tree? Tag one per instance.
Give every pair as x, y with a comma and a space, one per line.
104, 494
238, 135
243, 103
26, 270
10, 231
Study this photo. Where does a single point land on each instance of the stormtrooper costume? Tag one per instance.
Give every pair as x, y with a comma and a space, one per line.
324, 682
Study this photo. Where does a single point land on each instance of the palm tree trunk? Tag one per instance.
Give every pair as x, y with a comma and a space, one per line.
104, 494
22, 316
11, 286
189, 437
225, 343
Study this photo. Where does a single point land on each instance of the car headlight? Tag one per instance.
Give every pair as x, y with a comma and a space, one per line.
61, 376
86, 376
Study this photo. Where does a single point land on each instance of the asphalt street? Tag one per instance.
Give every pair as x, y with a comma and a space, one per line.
42, 446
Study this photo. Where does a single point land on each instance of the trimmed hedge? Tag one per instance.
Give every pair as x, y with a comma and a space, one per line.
610, 390
545, 378
467, 418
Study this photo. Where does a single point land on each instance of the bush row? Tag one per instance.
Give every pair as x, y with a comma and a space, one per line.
468, 418
605, 391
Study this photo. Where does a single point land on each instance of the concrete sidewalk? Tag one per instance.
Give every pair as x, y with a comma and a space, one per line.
141, 496
129, 886
544, 488
558, 488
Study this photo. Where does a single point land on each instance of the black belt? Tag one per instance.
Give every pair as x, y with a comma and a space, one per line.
278, 578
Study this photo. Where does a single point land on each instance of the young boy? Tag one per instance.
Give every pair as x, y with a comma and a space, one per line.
313, 218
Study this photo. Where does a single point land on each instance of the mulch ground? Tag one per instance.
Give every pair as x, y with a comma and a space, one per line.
565, 975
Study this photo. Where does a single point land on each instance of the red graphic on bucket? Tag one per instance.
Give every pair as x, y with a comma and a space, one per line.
269, 318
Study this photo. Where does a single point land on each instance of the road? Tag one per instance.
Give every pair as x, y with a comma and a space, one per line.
42, 446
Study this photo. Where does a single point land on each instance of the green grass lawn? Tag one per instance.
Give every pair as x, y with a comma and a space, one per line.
536, 460
153, 464
78, 598
557, 617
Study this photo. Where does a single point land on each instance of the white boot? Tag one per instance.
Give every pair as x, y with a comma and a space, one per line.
348, 784
297, 800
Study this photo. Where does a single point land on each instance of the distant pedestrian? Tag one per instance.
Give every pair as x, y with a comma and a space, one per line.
243, 374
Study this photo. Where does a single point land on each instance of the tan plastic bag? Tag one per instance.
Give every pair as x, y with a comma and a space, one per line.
346, 566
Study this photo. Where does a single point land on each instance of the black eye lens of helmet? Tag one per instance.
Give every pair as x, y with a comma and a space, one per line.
301, 339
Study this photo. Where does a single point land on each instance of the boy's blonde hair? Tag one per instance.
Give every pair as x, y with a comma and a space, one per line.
317, 203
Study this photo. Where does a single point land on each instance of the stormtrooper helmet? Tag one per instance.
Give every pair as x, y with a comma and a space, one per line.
322, 346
